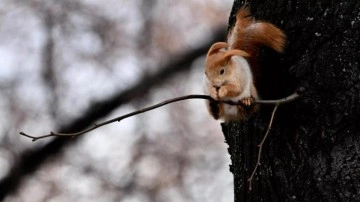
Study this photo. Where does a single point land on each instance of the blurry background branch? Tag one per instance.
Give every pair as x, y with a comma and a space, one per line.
31, 159
67, 64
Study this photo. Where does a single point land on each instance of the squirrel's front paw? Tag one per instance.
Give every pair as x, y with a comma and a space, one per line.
223, 92
214, 93
247, 101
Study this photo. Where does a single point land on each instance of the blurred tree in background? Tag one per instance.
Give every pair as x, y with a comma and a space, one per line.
65, 65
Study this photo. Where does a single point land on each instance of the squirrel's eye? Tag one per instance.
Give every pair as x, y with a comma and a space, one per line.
222, 71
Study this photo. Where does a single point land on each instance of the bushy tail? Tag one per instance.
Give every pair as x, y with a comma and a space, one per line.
263, 33
249, 35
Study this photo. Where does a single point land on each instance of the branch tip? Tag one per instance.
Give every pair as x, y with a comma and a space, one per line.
258, 163
186, 97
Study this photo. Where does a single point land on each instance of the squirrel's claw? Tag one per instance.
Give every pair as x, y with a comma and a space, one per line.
247, 101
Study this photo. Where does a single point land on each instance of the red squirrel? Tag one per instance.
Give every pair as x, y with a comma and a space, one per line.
230, 65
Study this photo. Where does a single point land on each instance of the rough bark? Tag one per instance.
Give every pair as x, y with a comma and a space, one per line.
313, 151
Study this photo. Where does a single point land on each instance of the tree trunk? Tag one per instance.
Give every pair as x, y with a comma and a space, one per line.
313, 149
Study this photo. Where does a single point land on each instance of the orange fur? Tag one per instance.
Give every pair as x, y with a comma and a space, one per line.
249, 35
230, 66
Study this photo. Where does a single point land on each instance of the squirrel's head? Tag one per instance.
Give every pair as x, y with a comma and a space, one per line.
219, 68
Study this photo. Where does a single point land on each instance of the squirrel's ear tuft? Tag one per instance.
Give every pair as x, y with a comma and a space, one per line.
236, 52
216, 47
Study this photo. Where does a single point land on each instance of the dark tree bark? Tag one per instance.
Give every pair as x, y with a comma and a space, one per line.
313, 150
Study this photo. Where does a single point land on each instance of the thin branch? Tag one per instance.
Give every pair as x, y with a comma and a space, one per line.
186, 97
32, 159
261, 146
284, 100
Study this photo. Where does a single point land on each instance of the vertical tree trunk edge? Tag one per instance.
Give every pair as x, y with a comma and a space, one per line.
312, 152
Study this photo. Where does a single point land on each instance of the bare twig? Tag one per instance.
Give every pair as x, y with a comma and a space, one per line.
261, 146
186, 97
284, 100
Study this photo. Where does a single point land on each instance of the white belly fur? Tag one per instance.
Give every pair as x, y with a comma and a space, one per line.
242, 68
